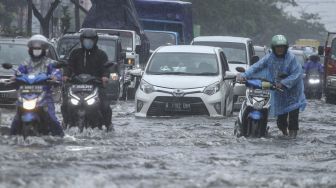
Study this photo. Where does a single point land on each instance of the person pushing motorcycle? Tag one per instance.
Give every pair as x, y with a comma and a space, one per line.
282, 68
40, 63
89, 59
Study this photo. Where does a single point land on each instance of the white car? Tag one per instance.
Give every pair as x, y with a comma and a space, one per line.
239, 52
186, 80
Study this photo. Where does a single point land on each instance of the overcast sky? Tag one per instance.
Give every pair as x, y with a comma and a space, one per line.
326, 9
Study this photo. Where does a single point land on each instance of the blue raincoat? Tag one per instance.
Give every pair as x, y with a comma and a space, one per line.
270, 67
45, 66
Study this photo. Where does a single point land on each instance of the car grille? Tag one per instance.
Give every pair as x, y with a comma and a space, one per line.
197, 107
7, 101
4, 87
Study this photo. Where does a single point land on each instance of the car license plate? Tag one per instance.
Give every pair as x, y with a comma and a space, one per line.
178, 107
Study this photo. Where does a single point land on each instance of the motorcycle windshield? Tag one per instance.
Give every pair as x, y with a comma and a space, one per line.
32, 79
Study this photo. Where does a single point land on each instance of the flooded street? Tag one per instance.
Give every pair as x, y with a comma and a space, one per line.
174, 152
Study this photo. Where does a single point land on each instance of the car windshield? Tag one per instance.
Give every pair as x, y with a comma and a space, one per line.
66, 45
176, 63
13, 53
300, 58
158, 39
260, 53
235, 52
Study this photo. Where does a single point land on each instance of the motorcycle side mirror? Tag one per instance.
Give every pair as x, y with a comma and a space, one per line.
254, 59
109, 64
240, 69
7, 66
321, 50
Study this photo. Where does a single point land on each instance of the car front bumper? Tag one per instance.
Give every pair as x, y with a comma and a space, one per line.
155, 103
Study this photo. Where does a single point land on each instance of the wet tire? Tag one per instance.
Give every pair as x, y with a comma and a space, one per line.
255, 128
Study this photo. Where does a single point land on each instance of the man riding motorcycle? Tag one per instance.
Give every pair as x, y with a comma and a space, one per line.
40, 63
313, 66
282, 68
89, 59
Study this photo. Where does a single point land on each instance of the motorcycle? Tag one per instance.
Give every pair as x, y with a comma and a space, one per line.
313, 86
253, 115
83, 102
31, 106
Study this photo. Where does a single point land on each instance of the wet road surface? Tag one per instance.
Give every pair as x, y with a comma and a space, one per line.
173, 152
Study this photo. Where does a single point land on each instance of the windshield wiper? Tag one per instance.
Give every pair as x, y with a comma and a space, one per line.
170, 73
206, 74
236, 62
72, 47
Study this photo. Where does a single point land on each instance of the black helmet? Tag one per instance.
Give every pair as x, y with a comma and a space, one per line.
89, 34
314, 58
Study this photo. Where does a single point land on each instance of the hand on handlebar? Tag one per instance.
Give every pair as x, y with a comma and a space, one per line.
240, 78
104, 80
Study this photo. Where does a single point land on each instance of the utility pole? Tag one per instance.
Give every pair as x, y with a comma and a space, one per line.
77, 16
30, 17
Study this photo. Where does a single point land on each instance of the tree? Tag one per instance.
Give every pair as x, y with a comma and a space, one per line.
257, 19
78, 7
45, 20
65, 20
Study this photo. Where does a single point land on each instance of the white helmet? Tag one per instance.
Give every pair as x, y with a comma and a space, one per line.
38, 41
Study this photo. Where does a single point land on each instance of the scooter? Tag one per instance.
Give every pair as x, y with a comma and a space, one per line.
33, 118
83, 102
253, 115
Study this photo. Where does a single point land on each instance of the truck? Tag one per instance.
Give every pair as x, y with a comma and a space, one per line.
166, 15
330, 67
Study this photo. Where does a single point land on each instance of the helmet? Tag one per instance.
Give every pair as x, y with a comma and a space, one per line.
90, 34
279, 40
314, 58
38, 45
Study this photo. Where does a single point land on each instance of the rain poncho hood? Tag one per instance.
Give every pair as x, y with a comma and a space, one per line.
270, 67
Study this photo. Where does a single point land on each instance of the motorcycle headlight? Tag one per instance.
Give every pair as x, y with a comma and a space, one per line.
314, 81
74, 101
91, 101
212, 89
258, 105
146, 87
29, 104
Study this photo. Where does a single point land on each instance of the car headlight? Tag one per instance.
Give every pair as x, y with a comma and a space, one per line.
29, 104
212, 89
146, 87
114, 76
74, 101
314, 81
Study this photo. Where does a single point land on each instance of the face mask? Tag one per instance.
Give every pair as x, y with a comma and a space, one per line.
37, 53
88, 44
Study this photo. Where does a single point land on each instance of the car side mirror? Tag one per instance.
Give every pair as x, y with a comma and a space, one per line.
320, 50
123, 55
229, 76
7, 66
254, 59
240, 69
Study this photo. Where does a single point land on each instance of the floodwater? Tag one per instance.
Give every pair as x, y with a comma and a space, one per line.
186, 152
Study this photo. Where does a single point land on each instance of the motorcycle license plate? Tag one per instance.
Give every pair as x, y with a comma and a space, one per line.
82, 87
31, 89
178, 107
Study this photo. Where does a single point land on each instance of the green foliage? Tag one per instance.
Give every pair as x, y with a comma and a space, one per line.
8, 14
257, 19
